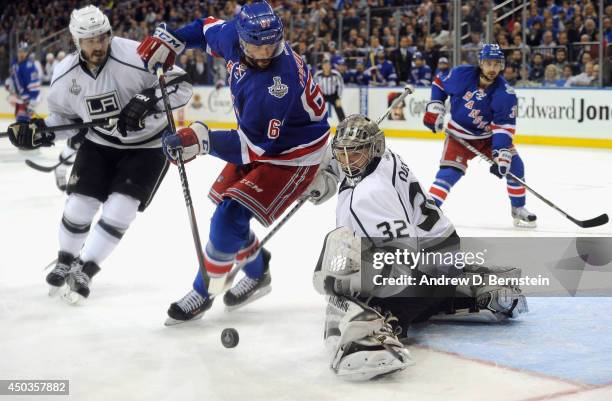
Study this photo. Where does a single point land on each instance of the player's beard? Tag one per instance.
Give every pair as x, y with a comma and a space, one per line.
255, 63
486, 79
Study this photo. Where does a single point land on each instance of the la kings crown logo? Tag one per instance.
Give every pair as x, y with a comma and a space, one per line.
278, 89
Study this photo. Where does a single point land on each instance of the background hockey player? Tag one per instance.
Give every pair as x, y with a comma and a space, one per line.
25, 84
382, 201
271, 158
118, 167
483, 111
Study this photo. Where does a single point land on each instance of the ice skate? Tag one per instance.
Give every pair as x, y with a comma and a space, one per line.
57, 277
249, 289
523, 217
79, 280
191, 307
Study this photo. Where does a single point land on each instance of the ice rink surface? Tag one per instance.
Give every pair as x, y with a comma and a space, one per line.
116, 348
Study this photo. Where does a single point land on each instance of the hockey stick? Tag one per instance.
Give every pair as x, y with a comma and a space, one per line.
407, 91
185, 184
594, 222
75, 126
218, 286
48, 169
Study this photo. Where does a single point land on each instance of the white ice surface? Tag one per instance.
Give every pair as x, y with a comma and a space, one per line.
116, 348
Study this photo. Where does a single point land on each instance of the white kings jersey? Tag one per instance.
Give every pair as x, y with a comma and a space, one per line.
78, 95
390, 204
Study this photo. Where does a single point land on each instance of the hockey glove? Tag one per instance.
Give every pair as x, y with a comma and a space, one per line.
133, 114
502, 159
192, 141
160, 49
30, 135
434, 116
323, 187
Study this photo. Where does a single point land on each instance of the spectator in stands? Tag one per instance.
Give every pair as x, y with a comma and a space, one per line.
547, 47
561, 59
566, 74
421, 73
402, 60
583, 79
50, 64
537, 68
607, 31
333, 54
510, 75
534, 37
375, 78
470, 50
551, 77
517, 41
198, 72
386, 69
525, 82
589, 29
443, 68
60, 56
563, 41
375, 47
440, 36
343, 70
359, 76
431, 54
515, 60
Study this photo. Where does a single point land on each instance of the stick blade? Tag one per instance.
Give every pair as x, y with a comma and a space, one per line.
594, 222
39, 167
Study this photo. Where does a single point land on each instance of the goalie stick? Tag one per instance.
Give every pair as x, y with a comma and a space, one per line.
594, 222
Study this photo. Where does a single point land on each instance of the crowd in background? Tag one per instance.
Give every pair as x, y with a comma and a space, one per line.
402, 42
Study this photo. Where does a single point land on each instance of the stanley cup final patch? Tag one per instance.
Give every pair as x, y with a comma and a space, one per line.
278, 89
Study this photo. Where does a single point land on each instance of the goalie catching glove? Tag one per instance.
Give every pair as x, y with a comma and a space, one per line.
30, 135
191, 141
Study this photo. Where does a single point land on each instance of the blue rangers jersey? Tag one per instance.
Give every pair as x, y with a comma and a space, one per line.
25, 79
478, 113
281, 111
420, 76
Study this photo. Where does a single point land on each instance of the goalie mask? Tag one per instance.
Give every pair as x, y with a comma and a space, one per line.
357, 143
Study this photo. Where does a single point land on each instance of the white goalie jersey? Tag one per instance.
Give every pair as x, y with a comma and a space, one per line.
390, 204
78, 95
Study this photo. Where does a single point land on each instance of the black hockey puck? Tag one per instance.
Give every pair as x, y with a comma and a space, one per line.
229, 338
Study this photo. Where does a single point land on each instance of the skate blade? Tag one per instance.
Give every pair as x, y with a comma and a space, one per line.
262, 292
73, 298
55, 291
174, 322
518, 223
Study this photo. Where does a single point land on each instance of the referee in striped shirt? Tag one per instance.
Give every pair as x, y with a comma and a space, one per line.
331, 84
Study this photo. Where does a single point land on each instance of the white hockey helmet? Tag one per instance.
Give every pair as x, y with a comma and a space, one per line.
88, 22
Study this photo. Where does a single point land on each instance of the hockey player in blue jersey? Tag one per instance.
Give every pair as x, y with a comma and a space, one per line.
26, 84
272, 157
483, 112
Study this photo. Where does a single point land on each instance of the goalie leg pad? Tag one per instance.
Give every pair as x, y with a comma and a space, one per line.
361, 342
486, 303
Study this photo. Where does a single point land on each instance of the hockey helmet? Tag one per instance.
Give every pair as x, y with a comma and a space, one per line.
357, 142
88, 22
492, 52
259, 28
